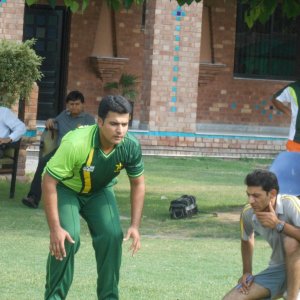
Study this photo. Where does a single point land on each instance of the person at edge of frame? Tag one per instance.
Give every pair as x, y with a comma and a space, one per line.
276, 218
11, 129
290, 94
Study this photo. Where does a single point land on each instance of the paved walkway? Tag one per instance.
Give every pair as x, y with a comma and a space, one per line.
31, 161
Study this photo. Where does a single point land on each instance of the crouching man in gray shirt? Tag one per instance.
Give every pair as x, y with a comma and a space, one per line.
277, 219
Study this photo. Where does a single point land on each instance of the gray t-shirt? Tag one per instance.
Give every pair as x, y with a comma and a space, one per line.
287, 209
65, 122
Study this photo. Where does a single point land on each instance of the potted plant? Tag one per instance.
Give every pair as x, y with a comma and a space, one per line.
126, 86
19, 70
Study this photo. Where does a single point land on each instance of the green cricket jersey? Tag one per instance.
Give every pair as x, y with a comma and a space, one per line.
81, 165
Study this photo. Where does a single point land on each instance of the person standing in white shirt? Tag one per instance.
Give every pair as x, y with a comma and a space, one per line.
290, 95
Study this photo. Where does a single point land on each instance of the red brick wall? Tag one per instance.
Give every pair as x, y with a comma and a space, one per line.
80, 74
11, 20
147, 75
221, 98
130, 44
130, 38
230, 100
31, 109
173, 61
210, 146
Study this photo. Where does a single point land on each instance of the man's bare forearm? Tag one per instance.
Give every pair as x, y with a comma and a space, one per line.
50, 201
137, 196
247, 248
281, 107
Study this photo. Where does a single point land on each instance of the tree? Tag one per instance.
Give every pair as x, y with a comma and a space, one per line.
76, 5
259, 10
19, 70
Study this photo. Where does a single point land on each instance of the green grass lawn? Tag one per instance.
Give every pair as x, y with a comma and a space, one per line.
197, 258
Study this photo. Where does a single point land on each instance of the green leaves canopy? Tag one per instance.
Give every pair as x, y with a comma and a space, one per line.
19, 70
76, 5
259, 10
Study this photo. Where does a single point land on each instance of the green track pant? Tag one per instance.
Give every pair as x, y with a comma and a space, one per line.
101, 214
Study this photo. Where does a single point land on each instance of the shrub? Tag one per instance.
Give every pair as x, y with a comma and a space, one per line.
126, 86
19, 69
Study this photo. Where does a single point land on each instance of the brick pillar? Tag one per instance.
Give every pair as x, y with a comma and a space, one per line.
31, 108
170, 98
147, 70
11, 19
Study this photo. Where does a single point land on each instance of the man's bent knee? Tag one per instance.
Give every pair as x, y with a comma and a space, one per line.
291, 245
255, 291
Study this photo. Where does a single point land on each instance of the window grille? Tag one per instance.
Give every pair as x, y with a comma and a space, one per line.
269, 50
144, 8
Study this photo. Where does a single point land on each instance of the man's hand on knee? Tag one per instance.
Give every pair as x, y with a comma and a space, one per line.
57, 242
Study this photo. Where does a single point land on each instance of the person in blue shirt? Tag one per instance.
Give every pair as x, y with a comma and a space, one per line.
11, 128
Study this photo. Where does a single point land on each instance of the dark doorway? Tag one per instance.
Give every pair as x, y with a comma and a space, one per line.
50, 28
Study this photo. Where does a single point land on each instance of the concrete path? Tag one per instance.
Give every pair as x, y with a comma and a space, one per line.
31, 160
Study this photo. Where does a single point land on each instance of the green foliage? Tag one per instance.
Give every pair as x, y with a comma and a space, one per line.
73, 5
19, 70
259, 10
126, 86
291, 8
117, 4
188, 2
76, 5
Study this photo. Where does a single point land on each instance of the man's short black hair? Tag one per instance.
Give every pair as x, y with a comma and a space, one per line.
265, 179
74, 96
114, 103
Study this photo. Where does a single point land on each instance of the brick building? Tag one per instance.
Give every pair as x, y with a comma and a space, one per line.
193, 98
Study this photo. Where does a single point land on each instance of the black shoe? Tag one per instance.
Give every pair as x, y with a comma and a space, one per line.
30, 202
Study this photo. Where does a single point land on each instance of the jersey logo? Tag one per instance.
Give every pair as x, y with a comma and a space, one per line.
118, 167
89, 168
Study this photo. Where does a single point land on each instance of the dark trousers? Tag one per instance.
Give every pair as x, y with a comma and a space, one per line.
36, 184
3, 147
